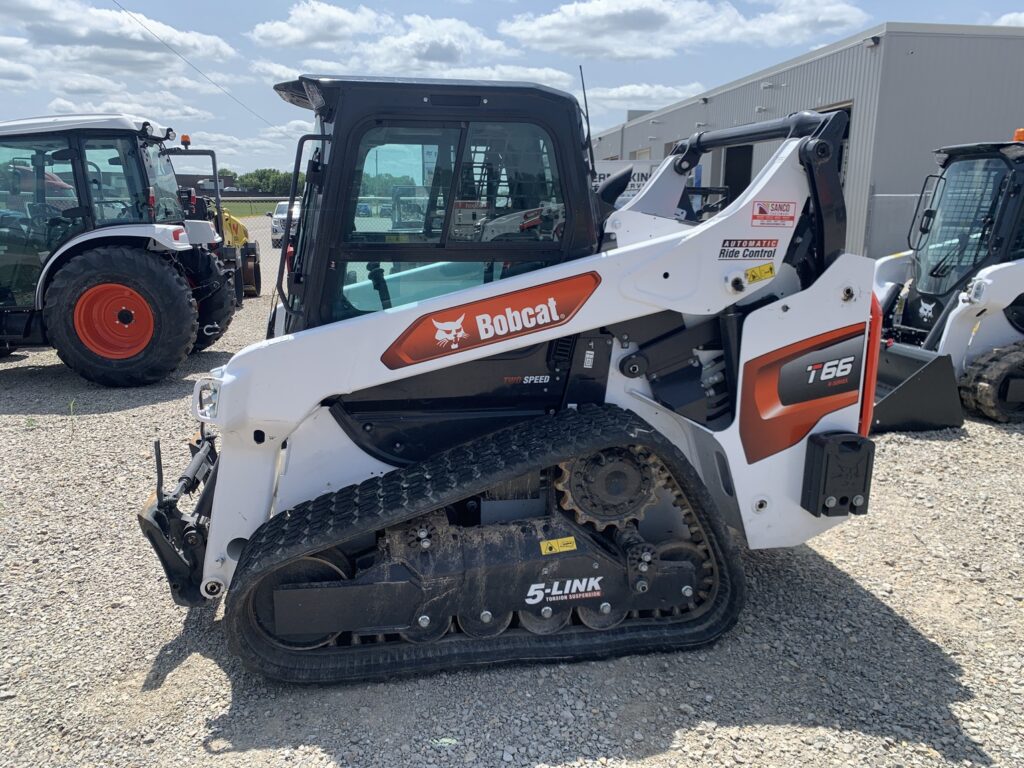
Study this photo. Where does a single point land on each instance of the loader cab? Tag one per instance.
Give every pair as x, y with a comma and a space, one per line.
416, 188
968, 217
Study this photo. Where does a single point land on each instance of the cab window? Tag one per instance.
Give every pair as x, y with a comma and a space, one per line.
39, 211
402, 181
508, 188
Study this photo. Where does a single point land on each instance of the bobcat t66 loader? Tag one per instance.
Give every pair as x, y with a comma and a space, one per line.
523, 449
96, 256
953, 305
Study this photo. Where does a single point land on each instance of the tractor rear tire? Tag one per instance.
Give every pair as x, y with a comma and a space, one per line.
984, 385
120, 316
215, 312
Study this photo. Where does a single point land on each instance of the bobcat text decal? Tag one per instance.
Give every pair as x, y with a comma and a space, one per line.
491, 320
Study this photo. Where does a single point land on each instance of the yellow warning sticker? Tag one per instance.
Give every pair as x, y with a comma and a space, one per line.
554, 546
760, 272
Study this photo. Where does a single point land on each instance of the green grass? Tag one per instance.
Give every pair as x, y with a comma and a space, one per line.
246, 208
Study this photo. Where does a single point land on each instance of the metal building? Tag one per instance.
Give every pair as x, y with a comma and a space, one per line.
909, 89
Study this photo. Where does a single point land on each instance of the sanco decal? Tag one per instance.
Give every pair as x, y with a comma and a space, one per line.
773, 213
491, 320
747, 249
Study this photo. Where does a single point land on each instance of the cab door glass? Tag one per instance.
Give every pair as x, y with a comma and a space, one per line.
39, 212
119, 194
402, 179
508, 188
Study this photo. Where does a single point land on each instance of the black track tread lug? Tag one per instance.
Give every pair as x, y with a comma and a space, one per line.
404, 494
174, 310
980, 383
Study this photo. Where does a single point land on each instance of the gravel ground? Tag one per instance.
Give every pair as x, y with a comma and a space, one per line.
894, 640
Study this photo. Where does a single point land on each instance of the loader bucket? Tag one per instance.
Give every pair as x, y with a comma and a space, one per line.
916, 390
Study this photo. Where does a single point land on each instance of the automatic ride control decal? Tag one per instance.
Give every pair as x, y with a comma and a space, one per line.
758, 249
487, 321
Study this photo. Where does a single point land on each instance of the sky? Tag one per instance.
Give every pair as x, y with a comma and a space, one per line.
64, 56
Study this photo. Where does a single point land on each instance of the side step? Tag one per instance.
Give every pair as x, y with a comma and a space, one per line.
916, 391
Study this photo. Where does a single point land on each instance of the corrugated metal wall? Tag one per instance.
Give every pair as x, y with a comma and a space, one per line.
937, 89
886, 156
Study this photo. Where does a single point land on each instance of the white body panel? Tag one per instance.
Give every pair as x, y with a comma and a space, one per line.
52, 123
201, 232
271, 391
978, 324
153, 237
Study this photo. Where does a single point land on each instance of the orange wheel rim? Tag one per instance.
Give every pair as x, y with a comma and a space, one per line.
113, 321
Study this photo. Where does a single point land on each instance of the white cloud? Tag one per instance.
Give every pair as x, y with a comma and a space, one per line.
272, 72
84, 84
422, 46
1015, 19
318, 24
655, 29
164, 107
183, 85
290, 131
639, 96
73, 23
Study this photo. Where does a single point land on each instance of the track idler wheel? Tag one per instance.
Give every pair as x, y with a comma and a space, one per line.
427, 629
485, 624
325, 566
541, 624
602, 617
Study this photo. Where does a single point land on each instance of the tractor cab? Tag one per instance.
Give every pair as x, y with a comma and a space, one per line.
98, 257
419, 187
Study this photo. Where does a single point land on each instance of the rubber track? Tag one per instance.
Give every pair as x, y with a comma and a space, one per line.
404, 494
979, 385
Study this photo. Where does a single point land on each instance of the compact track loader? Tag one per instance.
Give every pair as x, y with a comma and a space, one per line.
953, 305
457, 452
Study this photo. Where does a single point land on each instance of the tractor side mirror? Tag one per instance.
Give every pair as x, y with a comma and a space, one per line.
64, 155
270, 214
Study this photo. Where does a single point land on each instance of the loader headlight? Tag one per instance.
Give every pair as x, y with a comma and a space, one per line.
975, 291
205, 399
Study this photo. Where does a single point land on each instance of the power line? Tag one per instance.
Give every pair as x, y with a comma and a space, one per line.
197, 69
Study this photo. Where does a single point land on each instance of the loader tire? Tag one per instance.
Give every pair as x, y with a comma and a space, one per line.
120, 316
307, 540
216, 312
985, 384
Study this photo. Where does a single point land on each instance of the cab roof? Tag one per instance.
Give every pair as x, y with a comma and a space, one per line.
58, 123
316, 91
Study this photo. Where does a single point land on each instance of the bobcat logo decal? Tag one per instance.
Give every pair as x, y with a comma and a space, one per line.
926, 310
450, 334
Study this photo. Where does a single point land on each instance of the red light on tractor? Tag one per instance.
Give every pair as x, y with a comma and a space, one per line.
177, 233
289, 257
186, 140
1018, 135
151, 203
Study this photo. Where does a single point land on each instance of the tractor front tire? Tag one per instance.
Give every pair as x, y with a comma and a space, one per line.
985, 384
216, 312
120, 316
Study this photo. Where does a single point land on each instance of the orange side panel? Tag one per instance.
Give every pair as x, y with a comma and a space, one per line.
766, 425
867, 403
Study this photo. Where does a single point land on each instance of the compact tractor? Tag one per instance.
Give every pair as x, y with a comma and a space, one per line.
531, 448
953, 305
97, 258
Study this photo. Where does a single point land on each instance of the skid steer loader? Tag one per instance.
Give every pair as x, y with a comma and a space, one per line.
528, 449
953, 305
97, 257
